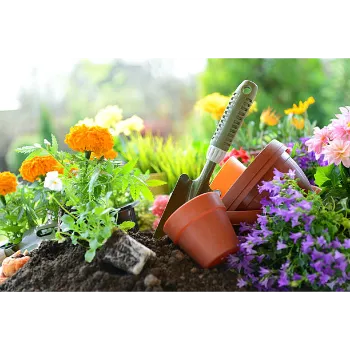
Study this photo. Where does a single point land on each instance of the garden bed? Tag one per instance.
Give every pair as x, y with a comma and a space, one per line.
61, 267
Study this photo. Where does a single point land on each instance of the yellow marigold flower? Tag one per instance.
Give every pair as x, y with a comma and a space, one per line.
253, 108
111, 154
129, 125
215, 104
301, 108
269, 117
32, 169
109, 116
8, 183
299, 123
95, 139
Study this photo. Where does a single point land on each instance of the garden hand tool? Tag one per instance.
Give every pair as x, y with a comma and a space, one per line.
232, 119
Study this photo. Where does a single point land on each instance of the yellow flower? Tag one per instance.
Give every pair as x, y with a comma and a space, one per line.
82, 138
8, 183
111, 154
109, 116
215, 104
301, 108
32, 169
253, 108
126, 126
299, 123
269, 117
87, 122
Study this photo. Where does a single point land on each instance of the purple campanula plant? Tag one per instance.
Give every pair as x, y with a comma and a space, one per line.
307, 161
297, 242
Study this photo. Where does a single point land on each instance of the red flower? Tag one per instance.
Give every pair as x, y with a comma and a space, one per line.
240, 154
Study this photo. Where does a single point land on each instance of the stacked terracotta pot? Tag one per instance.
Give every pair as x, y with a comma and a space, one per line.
203, 227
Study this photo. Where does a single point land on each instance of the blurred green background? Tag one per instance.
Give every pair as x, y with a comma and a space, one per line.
50, 96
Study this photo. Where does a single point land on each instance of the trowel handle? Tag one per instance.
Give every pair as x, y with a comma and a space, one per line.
231, 120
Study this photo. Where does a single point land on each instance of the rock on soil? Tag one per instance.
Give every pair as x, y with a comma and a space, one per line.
61, 267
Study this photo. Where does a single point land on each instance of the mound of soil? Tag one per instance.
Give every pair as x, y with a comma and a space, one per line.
61, 267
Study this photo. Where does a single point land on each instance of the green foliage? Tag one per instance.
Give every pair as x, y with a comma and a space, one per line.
15, 159
89, 195
281, 82
157, 155
20, 211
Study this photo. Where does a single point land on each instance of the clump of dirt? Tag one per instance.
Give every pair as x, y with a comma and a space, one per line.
61, 267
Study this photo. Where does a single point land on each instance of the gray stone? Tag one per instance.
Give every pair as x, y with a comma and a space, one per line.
128, 254
151, 281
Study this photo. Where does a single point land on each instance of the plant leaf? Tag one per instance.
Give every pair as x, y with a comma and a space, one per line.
93, 179
323, 174
54, 143
155, 183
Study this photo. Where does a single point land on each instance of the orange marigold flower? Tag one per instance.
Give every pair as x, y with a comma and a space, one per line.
111, 154
95, 139
299, 123
8, 183
33, 168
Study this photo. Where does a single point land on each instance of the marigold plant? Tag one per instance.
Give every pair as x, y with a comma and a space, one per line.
35, 167
8, 183
95, 139
215, 104
299, 123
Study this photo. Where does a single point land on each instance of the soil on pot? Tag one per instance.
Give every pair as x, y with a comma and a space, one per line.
61, 267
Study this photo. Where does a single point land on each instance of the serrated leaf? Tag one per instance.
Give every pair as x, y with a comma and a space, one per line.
128, 167
126, 225
147, 193
89, 255
54, 144
155, 183
39, 152
93, 179
26, 149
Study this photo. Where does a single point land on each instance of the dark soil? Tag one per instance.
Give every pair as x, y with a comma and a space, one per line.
61, 267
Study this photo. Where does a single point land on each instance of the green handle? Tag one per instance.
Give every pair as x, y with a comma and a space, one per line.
225, 133
234, 115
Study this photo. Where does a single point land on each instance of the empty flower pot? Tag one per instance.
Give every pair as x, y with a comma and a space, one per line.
203, 230
227, 175
244, 195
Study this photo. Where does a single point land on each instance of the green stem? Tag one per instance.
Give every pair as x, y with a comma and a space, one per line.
87, 155
344, 172
3, 200
63, 208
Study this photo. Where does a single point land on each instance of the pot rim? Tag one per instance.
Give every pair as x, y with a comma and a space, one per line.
272, 151
195, 218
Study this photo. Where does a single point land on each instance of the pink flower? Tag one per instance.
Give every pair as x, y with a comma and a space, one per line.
159, 205
338, 151
341, 127
318, 141
155, 223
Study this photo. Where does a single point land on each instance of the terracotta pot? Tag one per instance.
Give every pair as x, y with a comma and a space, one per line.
203, 230
247, 216
227, 176
163, 189
244, 194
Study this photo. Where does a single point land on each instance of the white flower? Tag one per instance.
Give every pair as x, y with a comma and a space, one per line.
47, 143
53, 182
37, 145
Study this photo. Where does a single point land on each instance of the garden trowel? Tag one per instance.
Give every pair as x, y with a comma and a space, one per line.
186, 188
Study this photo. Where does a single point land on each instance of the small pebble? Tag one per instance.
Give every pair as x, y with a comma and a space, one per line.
182, 278
178, 255
194, 270
151, 281
200, 276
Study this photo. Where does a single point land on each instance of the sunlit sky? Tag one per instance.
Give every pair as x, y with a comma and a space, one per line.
16, 73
